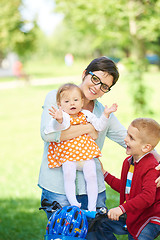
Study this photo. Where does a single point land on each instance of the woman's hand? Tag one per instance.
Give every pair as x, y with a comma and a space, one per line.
91, 131
158, 179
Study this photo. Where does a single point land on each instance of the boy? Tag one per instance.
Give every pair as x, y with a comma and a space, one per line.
139, 197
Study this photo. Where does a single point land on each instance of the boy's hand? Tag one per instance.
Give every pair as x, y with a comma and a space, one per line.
56, 114
108, 111
115, 213
103, 170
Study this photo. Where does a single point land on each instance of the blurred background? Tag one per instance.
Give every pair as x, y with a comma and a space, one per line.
44, 43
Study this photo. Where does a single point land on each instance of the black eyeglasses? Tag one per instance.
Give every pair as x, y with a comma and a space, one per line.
96, 80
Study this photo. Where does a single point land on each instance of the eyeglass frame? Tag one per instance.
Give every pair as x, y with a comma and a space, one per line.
100, 82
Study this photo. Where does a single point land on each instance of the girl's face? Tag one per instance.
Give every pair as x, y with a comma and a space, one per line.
71, 101
92, 91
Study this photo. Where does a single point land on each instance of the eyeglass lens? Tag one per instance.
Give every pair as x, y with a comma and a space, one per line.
97, 81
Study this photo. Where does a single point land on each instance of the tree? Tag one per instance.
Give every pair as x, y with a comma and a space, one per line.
129, 25
14, 36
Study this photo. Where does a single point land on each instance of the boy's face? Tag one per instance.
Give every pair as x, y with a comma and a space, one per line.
71, 101
134, 143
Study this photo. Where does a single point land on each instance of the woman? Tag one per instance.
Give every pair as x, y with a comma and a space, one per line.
97, 79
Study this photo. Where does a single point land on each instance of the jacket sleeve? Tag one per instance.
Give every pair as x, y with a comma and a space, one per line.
50, 100
55, 126
112, 181
99, 123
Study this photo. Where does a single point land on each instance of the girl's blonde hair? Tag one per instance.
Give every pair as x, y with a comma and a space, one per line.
67, 87
149, 130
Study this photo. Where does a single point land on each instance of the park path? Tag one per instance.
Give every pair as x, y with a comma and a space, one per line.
39, 82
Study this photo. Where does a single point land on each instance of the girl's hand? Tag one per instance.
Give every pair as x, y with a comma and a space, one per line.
108, 111
56, 114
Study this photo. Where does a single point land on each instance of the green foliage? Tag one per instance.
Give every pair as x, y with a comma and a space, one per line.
118, 29
138, 88
13, 33
113, 24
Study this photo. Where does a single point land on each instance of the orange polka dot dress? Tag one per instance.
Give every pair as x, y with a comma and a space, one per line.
77, 149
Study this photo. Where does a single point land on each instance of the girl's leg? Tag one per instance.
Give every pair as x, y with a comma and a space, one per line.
69, 175
89, 170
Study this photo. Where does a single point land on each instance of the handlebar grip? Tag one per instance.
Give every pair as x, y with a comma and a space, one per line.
123, 217
90, 214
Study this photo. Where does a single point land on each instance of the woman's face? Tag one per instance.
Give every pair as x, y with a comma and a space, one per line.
92, 91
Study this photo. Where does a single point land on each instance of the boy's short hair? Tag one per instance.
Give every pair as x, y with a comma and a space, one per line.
149, 130
67, 87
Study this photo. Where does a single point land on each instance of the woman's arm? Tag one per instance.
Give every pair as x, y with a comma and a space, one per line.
116, 131
75, 131
157, 156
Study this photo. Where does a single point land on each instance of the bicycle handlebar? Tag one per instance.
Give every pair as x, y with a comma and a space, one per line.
102, 212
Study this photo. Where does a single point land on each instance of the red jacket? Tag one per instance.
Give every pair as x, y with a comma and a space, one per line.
144, 199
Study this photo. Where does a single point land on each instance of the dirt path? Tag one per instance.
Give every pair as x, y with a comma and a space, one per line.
39, 82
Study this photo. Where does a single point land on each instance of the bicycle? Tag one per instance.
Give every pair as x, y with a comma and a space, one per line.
70, 222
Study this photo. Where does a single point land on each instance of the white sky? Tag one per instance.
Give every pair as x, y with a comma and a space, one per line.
43, 10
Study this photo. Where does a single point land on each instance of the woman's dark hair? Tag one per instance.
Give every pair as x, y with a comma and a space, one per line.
103, 64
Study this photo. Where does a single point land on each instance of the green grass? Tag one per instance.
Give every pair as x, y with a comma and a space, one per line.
54, 68
22, 148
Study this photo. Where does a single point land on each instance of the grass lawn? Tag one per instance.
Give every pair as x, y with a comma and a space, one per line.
22, 148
